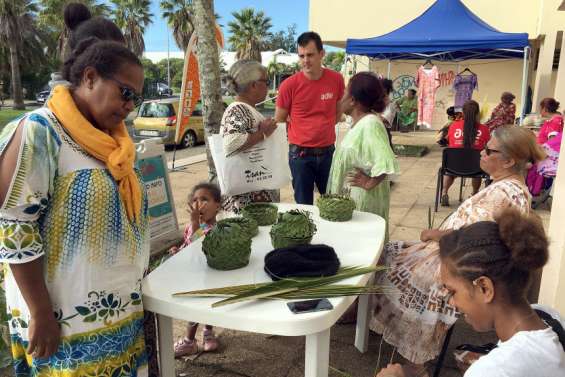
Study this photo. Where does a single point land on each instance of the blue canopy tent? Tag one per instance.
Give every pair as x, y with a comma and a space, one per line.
447, 31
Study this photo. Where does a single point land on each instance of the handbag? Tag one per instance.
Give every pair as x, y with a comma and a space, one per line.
261, 167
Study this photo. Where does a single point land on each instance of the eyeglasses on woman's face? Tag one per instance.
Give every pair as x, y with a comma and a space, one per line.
266, 81
127, 93
490, 151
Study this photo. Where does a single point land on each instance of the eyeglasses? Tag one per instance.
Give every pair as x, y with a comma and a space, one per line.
489, 151
128, 94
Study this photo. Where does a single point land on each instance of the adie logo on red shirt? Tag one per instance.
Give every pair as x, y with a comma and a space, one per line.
327, 96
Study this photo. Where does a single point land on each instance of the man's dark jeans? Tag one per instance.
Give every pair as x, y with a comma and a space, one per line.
308, 169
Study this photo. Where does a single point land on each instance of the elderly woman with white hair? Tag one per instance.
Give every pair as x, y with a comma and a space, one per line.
243, 126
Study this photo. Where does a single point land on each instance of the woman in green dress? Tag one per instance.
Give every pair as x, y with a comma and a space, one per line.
364, 158
407, 110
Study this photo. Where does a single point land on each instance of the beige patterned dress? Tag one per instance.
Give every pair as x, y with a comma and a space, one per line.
414, 317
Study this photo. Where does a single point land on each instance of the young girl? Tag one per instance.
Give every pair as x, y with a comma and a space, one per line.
203, 205
486, 269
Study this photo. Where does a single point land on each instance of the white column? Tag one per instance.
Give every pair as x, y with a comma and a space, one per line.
560, 82
545, 68
552, 289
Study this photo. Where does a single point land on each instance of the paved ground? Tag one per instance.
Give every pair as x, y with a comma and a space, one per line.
257, 355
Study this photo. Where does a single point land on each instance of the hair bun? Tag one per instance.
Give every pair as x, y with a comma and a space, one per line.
525, 237
75, 14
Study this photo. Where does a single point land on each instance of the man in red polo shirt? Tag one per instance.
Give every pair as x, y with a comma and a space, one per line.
308, 101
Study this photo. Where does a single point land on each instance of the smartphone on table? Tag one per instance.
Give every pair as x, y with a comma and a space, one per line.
309, 306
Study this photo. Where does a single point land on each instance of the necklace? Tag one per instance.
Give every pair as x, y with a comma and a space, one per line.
514, 330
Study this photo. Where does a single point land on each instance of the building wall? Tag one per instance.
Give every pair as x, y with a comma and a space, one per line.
337, 20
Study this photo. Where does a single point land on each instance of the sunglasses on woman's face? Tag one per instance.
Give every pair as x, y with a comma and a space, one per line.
489, 151
128, 94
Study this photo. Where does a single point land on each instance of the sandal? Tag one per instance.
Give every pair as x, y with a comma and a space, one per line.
210, 341
445, 200
185, 347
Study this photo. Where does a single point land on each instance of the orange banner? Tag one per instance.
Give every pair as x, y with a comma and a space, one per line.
190, 90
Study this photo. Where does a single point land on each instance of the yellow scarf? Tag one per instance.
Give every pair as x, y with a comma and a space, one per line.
115, 149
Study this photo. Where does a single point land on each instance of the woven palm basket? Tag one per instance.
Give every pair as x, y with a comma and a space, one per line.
227, 247
262, 213
292, 228
335, 207
248, 224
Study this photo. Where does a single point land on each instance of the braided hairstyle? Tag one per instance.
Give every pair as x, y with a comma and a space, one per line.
470, 120
507, 250
105, 56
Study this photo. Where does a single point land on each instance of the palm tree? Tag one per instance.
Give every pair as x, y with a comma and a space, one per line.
180, 17
51, 19
209, 74
275, 69
17, 24
133, 16
249, 32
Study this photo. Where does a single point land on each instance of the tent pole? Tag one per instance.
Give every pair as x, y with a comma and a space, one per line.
388, 70
524, 83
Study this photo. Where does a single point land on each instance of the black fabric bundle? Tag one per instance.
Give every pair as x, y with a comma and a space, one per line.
301, 261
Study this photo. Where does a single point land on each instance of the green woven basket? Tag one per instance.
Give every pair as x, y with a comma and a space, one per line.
262, 213
293, 228
335, 207
227, 247
248, 224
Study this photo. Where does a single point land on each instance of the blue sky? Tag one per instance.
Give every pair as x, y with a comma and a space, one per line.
282, 13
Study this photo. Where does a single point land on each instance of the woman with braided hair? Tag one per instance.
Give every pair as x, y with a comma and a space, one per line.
414, 317
74, 222
486, 269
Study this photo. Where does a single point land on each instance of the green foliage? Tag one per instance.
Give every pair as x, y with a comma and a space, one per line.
179, 15
282, 39
334, 60
133, 16
293, 289
249, 32
5, 349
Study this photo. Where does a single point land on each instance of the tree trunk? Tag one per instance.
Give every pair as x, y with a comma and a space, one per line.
209, 73
17, 94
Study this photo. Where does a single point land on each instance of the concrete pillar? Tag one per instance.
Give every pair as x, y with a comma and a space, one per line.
542, 86
560, 82
553, 279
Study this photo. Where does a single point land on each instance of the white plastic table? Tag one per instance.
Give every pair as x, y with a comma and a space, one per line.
357, 242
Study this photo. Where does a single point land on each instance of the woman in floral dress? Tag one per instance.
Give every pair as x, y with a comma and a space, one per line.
243, 126
73, 223
414, 316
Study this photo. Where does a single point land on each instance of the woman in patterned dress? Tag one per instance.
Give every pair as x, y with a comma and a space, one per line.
243, 126
73, 223
504, 114
414, 317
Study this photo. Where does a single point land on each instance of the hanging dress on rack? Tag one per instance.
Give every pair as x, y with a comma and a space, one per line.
464, 86
427, 80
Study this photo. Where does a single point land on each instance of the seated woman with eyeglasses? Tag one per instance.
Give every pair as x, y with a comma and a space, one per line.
486, 269
415, 303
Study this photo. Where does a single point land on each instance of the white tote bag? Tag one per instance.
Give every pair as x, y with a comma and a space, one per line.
261, 167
